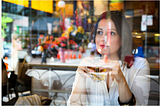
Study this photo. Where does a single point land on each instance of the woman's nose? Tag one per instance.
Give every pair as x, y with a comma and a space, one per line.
104, 38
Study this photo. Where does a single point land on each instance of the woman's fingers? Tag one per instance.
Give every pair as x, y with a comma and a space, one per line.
101, 69
109, 66
117, 74
86, 74
84, 71
91, 69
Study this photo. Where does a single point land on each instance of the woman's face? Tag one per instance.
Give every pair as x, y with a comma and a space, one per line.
101, 36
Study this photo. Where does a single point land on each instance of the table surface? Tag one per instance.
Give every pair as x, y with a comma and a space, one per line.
72, 63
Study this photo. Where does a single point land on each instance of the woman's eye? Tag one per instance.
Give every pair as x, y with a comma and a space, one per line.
99, 32
112, 33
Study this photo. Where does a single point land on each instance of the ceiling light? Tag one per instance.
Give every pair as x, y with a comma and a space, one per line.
61, 4
156, 34
138, 36
128, 16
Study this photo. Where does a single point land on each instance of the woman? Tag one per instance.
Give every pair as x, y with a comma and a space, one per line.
123, 85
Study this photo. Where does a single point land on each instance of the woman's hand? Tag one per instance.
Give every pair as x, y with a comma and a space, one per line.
117, 74
85, 67
85, 70
115, 70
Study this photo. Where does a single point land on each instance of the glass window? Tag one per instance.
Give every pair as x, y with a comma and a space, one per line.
84, 42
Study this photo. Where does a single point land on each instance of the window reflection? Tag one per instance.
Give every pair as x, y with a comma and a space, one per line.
75, 23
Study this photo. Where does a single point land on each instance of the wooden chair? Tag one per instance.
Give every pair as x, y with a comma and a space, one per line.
23, 81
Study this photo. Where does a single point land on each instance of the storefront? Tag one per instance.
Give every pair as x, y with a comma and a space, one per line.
27, 24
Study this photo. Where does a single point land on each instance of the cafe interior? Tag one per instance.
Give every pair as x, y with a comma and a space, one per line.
42, 40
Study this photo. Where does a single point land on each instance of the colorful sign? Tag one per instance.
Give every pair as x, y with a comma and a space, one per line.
19, 2
42, 5
149, 20
115, 1
116, 6
144, 23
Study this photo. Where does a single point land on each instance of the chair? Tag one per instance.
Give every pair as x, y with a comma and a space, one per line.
4, 80
5, 91
12, 84
23, 81
8, 84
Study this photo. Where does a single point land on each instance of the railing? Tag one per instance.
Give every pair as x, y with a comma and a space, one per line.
50, 69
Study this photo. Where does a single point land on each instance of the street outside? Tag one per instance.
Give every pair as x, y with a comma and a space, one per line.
37, 59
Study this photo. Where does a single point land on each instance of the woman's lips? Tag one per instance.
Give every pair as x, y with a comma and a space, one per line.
102, 46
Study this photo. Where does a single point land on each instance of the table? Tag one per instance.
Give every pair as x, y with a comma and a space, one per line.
69, 65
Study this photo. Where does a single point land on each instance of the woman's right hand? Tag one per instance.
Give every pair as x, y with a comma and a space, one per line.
84, 67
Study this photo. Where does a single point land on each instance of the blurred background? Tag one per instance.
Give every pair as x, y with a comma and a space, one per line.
28, 25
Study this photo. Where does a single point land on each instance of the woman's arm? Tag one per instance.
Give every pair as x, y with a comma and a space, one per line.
125, 94
139, 83
140, 86
78, 95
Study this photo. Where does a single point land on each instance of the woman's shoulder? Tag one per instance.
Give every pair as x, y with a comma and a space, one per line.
140, 59
140, 62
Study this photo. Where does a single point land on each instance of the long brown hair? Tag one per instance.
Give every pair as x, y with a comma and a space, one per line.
123, 29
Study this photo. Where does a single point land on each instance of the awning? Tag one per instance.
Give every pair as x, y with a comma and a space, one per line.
42, 5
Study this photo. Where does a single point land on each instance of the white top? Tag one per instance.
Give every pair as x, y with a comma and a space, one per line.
98, 95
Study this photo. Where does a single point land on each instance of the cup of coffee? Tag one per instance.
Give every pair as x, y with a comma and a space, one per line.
98, 74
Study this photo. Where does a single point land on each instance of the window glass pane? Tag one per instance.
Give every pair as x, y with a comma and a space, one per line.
83, 42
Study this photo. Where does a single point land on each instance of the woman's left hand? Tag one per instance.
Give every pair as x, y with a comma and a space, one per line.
115, 71
117, 74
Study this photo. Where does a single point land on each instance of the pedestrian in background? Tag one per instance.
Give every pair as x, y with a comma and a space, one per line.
92, 47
